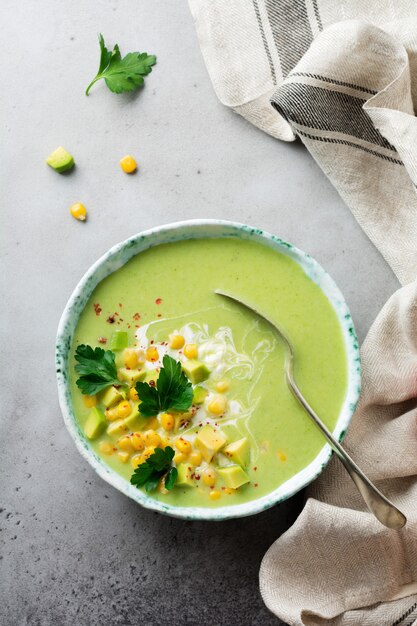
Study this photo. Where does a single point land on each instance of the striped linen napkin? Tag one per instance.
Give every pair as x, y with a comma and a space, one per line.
342, 76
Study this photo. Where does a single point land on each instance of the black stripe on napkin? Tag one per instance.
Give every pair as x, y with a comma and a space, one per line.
264, 40
323, 109
344, 142
333, 81
291, 30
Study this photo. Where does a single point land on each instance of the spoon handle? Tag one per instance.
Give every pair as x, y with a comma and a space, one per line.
384, 510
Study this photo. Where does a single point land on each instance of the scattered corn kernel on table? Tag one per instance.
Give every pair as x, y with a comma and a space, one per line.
74, 550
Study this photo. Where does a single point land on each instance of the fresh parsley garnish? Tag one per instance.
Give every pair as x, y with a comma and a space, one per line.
97, 369
159, 464
173, 390
122, 74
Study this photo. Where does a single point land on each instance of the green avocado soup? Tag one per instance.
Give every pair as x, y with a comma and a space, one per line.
258, 434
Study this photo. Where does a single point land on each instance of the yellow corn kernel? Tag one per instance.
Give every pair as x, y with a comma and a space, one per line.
125, 444
228, 490
167, 421
112, 414
217, 405
209, 477
161, 486
191, 351
90, 401
176, 342
105, 447
128, 164
79, 211
281, 455
130, 358
152, 354
124, 409
123, 456
164, 443
150, 450
222, 386
153, 423
179, 457
183, 445
137, 441
133, 394
151, 438
137, 460
195, 458
214, 495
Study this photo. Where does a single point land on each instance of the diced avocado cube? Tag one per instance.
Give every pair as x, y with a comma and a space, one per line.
131, 376
118, 340
195, 371
151, 375
199, 394
209, 441
95, 424
184, 475
233, 476
110, 397
238, 451
117, 428
182, 418
135, 421
60, 160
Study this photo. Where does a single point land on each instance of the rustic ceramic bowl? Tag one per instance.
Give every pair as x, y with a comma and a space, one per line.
197, 229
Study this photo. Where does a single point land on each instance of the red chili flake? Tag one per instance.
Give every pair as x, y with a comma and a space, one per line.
255, 485
151, 383
152, 341
121, 319
136, 316
159, 315
111, 319
158, 301
197, 477
137, 325
128, 325
102, 340
97, 308
120, 305
255, 468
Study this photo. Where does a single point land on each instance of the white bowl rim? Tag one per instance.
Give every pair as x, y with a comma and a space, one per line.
110, 262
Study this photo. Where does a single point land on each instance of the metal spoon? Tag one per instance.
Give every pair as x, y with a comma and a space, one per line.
377, 503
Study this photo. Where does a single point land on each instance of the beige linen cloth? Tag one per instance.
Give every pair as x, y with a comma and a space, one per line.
342, 76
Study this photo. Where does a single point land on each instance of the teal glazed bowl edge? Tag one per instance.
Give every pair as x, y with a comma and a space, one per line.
120, 254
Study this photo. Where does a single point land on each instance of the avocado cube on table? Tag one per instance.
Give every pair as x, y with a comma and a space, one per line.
199, 394
95, 424
110, 397
195, 371
135, 421
238, 451
131, 376
117, 428
118, 340
233, 476
184, 475
60, 160
209, 441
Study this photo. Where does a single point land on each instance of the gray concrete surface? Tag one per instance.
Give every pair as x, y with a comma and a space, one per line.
73, 550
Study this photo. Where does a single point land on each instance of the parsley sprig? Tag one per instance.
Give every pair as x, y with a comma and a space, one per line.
122, 74
97, 369
173, 390
158, 465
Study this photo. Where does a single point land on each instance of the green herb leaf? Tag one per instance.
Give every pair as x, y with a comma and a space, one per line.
173, 390
159, 464
122, 74
97, 369
171, 478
